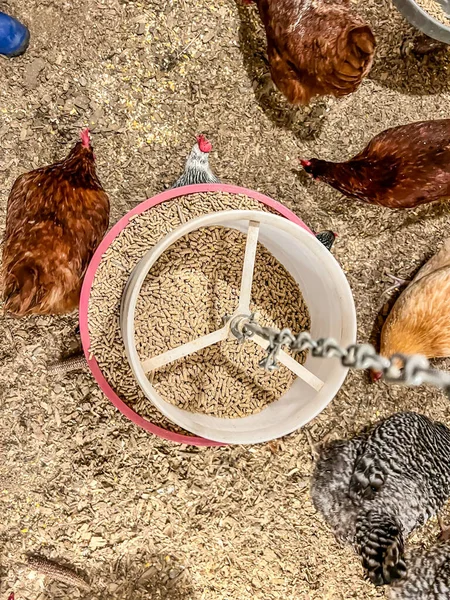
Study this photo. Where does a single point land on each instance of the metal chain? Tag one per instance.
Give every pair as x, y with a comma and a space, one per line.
415, 370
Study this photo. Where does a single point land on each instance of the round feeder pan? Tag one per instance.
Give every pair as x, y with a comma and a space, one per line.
423, 21
349, 333
327, 295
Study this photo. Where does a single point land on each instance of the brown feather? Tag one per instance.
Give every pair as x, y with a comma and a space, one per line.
56, 217
402, 167
316, 48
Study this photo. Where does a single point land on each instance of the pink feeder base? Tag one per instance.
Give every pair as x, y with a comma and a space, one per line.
90, 275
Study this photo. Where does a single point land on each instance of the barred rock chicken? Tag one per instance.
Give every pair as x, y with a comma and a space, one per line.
428, 576
401, 167
197, 169
327, 238
316, 48
56, 217
378, 487
419, 322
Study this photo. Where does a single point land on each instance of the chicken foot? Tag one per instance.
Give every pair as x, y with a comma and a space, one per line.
396, 283
267, 85
313, 446
421, 46
426, 45
74, 363
265, 80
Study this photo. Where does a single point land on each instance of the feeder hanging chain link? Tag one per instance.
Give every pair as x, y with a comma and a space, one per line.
415, 370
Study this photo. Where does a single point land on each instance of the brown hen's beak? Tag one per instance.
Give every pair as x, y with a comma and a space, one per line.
375, 375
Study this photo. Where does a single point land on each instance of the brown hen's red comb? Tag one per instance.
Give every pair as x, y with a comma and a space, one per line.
305, 163
85, 138
11, 596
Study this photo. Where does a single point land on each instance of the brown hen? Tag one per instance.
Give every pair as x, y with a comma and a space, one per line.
56, 217
316, 47
419, 322
401, 167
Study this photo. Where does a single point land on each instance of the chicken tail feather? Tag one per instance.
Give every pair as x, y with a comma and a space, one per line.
20, 290
363, 39
367, 479
287, 80
354, 57
379, 541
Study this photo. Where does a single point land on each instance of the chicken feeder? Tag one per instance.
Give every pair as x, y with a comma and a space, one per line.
419, 18
323, 285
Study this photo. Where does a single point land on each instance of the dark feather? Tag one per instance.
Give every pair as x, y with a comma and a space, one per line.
326, 238
377, 488
56, 217
401, 167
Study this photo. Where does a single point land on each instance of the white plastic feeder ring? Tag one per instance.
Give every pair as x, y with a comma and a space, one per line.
326, 293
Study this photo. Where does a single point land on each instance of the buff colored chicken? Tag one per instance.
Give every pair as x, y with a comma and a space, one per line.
316, 47
419, 322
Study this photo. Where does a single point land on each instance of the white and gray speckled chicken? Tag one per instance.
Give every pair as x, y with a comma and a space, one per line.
378, 487
428, 576
197, 169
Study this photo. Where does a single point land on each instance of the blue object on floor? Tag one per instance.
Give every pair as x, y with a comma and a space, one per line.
14, 37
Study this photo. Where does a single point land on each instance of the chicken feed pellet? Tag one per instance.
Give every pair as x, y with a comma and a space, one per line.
435, 9
207, 369
185, 296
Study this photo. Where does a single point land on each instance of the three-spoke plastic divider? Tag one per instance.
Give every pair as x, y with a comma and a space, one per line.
160, 360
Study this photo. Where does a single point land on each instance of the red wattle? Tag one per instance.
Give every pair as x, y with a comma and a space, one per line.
375, 375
